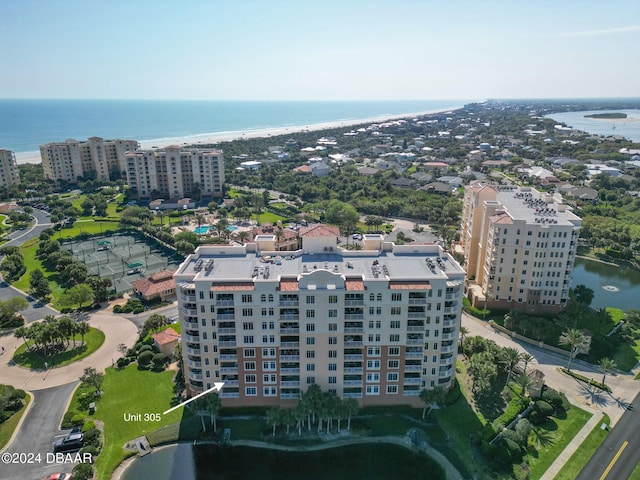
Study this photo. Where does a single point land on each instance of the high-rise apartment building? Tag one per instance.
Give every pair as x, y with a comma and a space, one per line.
94, 158
520, 246
378, 324
8, 169
174, 172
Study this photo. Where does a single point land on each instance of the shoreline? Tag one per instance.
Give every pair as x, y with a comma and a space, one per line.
227, 136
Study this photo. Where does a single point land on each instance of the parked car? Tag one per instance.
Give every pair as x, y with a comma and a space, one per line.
58, 476
73, 441
357, 236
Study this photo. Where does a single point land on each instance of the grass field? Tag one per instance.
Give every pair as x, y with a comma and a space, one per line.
131, 391
554, 436
268, 217
93, 340
584, 452
7, 428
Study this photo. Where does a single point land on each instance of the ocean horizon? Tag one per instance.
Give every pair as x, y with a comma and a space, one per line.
25, 124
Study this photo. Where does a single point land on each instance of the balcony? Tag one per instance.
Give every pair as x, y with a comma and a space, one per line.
228, 357
289, 358
447, 361
224, 303
448, 336
287, 317
415, 329
413, 355
294, 331
413, 368
354, 316
227, 343
193, 351
226, 331
417, 301
188, 298
289, 371
194, 364
352, 395
191, 338
445, 373
413, 315
356, 370
289, 344
290, 383
353, 357
411, 393
228, 370
230, 395
189, 311
450, 323
231, 383
415, 341
353, 343
450, 310
288, 303
195, 376
354, 330
226, 316
412, 381
352, 383
447, 349
289, 396
190, 324
354, 303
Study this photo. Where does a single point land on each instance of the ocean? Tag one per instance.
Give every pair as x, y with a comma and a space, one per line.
26, 124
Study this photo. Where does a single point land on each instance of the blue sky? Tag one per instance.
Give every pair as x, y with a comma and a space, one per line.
319, 50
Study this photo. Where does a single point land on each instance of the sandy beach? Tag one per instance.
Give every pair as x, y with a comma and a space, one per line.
215, 137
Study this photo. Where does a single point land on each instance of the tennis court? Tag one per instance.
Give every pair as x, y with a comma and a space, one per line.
122, 258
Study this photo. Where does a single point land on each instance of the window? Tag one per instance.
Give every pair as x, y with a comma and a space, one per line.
248, 339
333, 340
394, 364
373, 389
373, 364
249, 365
269, 352
269, 378
311, 341
394, 351
379, 297
251, 391
394, 337
212, 308
311, 380
333, 299
372, 297
395, 310
201, 295
271, 297
250, 378
396, 297
392, 377
268, 365
333, 379
373, 351
270, 391
247, 298
249, 352
311, 314
392, 389
311, 299
333, 354
311, 354
311, 367
333, 313
201, 308
395, 323
333, 327
333, 367
247, 325
373, 377
263, 312
263, 298
311, 327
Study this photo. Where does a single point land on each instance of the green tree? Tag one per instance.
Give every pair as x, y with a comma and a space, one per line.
583, 294
274, 417
509, 357
576, 341
83, 471
431, 396
352, 408
82, 328
607, 366
38, 285
92, 378
77, 295
9, 308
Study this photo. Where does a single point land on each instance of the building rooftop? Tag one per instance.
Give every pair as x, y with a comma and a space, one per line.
528, 205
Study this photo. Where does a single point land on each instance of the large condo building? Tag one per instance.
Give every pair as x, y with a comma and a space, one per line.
94, 158
173, 172
378, 324
520, 246
8, 169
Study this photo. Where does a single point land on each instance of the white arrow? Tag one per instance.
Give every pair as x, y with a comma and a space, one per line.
217, 386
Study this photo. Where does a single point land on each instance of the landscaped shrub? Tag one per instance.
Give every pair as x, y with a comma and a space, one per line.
145, 348
123, 362
144, 359
92, 438
89, 424
541, 411
94, 451
552, 397
77, 420
82, 471
117, 309
159, 360
66, 420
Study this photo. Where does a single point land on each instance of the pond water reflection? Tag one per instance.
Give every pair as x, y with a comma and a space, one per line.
613, 286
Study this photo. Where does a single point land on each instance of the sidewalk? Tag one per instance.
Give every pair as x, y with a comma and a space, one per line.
117, 330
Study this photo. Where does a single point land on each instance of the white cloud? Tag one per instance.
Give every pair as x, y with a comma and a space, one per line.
608, 31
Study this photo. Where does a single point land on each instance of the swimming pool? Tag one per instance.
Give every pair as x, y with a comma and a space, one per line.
232, 228
202, 230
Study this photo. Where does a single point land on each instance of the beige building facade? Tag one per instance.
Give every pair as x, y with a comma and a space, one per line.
8, 169
174, 172
94, 158
520, 246
378, 325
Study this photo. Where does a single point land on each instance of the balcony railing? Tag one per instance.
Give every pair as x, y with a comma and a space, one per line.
193, 351
289, 358
413, 368
289, 303
228, 357
353, 344
230, 395
413, 355
354, 316
294, 331
228, 370
188, 298
289, 344
411, 393
231, 383
352, 383
354, 302
194, 364
447, 349
413, 315
195, 376
226, 316
227, 343
290, 383
353, 356
289, 396
191, 338
412, 381
445, 373
417, 301
415, 341
289, 371
289, 317
352, 395
415, 328
226, 331
354, 330
447, 361
449, 323
189, 311
448, 336
224, 303
353, 370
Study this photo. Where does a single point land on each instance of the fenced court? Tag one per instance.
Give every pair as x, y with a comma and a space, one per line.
122, 258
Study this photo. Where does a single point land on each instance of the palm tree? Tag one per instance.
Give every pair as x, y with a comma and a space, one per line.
82, 328
213, 405
463, 331
431, 396
351, 408
279, 234
510, 357
607, 366
21, 332
524, 381
274, 416
241, 236
576, 341
200, 220
527, 358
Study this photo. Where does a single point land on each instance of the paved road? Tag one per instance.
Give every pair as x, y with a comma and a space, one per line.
38, 431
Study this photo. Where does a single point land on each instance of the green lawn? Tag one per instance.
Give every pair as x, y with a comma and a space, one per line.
584, 452
93, 340
131, 391
553, 436
268, 217
7, 428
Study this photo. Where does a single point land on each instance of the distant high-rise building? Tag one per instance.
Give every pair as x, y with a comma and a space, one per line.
378, 324
94, 158
8, 169
520, 246
174, 172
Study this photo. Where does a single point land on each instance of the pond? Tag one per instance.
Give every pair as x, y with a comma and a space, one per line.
370, 461
613, 286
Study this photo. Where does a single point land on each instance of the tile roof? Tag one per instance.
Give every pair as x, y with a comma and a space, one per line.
289, 285
319, 230
411, 285
165, 336
354, 285
149, 288
231, 286
159, 276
